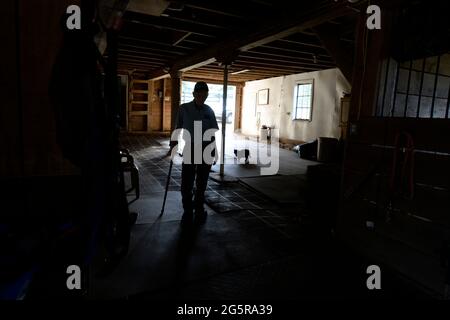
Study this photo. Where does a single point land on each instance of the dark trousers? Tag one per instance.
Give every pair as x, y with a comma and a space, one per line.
189, 173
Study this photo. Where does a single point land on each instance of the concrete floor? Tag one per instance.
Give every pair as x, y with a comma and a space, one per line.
256, 243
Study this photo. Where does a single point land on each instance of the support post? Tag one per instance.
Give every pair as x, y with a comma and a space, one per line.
175, 78
224, 117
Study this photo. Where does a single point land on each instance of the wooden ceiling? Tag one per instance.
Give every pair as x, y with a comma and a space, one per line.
267, 38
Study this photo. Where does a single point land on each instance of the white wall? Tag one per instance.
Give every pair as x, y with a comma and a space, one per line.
329, 86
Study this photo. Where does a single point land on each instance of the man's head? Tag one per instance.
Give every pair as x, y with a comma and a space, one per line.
200, 93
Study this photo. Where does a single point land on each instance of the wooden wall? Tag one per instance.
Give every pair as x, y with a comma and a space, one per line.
166, 114
139, 109
11, 156
159, 108
409, 235
31, 37
156, 105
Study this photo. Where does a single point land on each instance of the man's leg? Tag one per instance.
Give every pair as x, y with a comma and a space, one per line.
187, 184
201, 184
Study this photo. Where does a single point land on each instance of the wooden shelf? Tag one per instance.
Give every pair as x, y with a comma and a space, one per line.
138, 113
138, 107
138, 102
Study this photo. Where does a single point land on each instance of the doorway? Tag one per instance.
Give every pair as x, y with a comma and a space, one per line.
215, 101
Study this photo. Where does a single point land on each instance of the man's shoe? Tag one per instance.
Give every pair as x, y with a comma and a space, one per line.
186, 219
200, 216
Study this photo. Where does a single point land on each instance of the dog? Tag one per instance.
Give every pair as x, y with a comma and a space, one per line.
240, 154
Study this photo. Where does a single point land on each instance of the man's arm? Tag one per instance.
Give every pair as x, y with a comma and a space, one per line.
214, 124
179, 125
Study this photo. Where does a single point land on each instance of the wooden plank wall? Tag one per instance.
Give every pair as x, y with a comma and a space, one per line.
411, 238
156, 105
11, 157
139, 111
28, 126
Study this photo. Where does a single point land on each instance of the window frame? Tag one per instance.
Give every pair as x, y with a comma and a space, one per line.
295, 102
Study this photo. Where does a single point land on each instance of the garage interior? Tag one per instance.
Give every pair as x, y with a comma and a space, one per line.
354, 120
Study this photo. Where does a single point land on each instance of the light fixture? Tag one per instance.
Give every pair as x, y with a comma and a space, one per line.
240, 71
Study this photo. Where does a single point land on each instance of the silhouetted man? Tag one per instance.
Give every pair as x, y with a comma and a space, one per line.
199, 125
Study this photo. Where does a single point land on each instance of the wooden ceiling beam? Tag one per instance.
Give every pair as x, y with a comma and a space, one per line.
293, 50
182, 38
292, 45
219, 10
330, 39
210, 80
201, 43
247, 75
262, 34
171, 24
211, 23
141, 62
153, 62
166, 53
232, 78
297, 57
127, 70
141, 55
275, 72
154, 43
299, 43
206, 18
302, 37
137, 65
251, 71
303, 20
145, 51
276, 63
133, 66
141, 31
255, 71
292, 70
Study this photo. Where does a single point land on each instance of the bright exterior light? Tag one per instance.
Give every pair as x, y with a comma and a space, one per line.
241, 71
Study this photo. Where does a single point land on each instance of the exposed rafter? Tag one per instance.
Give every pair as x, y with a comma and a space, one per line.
191, 35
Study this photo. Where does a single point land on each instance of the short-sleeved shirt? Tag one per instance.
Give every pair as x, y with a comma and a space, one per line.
190, 112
